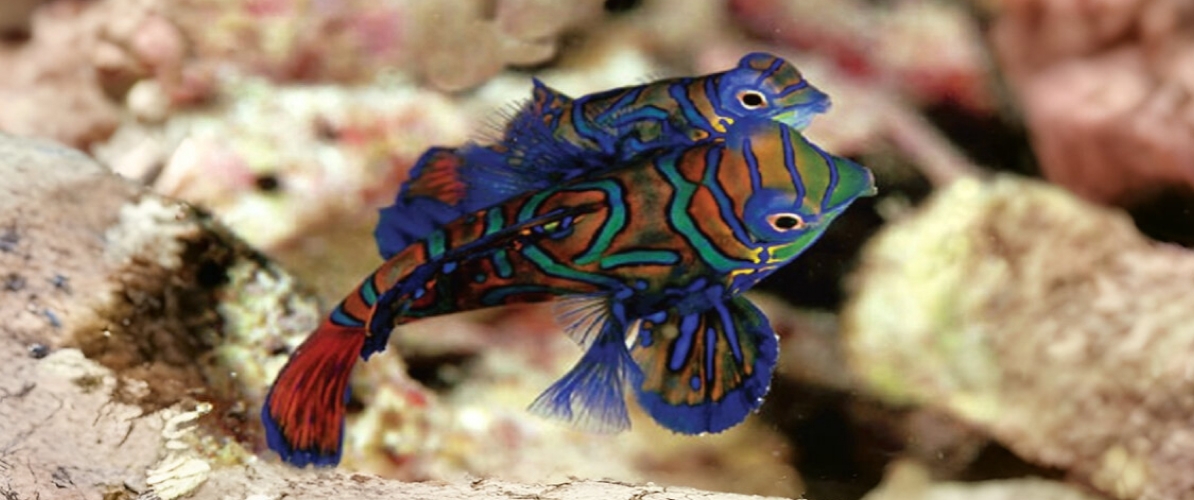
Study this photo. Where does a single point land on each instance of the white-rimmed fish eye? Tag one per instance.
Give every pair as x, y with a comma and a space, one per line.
752, 99
785, 221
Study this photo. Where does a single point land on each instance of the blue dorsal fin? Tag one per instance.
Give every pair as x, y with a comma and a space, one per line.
591, 396
447, 183
493, 126
532, 122
532, 148
705, 371
425, 202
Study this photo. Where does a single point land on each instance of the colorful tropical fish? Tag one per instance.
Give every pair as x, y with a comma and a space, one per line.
649, 259
554, 138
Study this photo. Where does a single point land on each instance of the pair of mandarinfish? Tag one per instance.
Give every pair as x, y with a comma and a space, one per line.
645, 211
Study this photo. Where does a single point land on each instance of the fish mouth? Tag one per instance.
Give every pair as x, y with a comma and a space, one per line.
873, 190
801, 116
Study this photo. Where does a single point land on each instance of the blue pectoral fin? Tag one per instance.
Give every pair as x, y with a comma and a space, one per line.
582, 317
706, 371
592, 395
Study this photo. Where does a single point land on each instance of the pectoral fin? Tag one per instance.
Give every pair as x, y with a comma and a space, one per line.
591, 395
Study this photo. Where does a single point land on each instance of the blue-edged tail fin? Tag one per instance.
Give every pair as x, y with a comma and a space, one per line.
592, 395
705, 371
304, 412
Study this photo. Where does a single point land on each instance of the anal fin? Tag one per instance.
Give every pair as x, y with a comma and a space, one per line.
705, 371
581, 317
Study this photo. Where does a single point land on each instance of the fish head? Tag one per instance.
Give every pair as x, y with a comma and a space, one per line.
766, 86
797, 189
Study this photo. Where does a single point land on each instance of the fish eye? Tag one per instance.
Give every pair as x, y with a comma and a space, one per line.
786, 221
751, 99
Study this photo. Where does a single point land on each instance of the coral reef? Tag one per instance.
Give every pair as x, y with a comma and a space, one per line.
885, 43
327, 153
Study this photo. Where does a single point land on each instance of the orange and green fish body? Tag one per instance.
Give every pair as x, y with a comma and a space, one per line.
555, 137
650, 259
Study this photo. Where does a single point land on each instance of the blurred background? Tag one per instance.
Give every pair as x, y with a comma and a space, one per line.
1010, 317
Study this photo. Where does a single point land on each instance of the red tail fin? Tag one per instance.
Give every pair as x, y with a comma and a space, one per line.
304, 412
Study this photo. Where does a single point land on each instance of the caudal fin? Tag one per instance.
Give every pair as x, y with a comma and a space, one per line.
304, 411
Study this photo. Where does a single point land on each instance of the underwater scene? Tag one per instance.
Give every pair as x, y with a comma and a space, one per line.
597, 249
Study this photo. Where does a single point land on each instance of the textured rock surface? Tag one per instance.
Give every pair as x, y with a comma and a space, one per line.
115, 329
1047, 322
910, 481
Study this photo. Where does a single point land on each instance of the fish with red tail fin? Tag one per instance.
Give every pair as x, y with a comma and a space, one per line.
653, 256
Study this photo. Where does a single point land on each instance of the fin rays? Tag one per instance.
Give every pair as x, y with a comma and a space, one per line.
304, 411
581, 317
591, 396
692, 380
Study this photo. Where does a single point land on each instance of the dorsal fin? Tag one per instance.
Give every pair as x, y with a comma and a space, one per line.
493, 126
449, 183
424, 202
532, 144
704, 371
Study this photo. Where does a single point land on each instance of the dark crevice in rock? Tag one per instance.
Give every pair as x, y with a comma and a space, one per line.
621, 6
162, 324
438, 372
1167, 215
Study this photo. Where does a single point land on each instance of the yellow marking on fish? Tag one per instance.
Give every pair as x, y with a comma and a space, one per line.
771, 259
741, 272
756, 256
